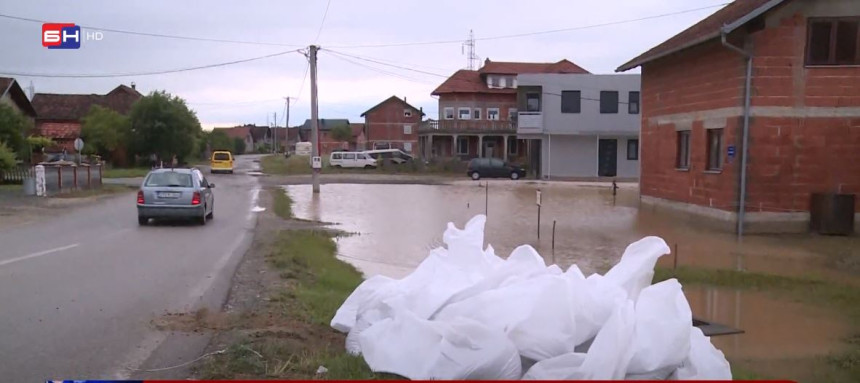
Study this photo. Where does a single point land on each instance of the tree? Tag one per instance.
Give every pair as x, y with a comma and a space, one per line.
342, 133
7, 157
37, 143
104, 131
219, 140
13, 125
238, 146
162, 124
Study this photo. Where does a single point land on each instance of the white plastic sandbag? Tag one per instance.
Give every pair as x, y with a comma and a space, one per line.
420, 349
598, 298
635, 270
607, 358
705, 362
345, 317
663, 325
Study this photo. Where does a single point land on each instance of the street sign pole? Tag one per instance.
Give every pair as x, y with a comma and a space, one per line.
79, 145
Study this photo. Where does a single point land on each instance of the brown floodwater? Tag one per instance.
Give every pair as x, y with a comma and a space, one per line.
397, 225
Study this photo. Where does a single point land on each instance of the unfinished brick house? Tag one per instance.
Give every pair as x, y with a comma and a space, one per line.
393, 124
798, 61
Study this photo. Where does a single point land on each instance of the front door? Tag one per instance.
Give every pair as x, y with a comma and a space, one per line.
607, 157
489, 149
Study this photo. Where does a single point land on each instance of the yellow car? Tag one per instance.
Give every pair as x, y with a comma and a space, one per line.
222, 161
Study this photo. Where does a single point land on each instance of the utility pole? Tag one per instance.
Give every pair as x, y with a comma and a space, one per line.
315, 152
287, 125
274, 129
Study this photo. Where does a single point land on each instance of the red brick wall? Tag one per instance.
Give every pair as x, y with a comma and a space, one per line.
703, 78
385, 124
503, 101
69, 130
792, 153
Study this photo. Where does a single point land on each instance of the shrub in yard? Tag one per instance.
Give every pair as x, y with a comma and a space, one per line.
7, 157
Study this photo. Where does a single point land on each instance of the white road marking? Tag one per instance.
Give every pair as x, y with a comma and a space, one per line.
39, 254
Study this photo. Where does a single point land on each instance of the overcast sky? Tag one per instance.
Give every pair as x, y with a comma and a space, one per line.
251, 92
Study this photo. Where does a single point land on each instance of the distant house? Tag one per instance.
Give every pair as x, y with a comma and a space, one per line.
359, 137
775, 81
11, 94
255, 137
478, 111
326, 143
392, 124
58, 116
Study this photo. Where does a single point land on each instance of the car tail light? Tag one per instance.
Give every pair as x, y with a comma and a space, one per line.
195, 199
140, 199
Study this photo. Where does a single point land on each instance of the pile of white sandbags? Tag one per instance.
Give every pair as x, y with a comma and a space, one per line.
465, 313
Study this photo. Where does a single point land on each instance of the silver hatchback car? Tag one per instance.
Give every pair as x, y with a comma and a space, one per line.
175, 193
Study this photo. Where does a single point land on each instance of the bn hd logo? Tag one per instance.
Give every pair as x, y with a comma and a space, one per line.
66, 36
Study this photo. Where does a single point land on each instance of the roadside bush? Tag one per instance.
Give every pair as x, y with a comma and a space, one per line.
7, 157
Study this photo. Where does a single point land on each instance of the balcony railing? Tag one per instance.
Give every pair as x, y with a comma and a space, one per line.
468, 126
530, 122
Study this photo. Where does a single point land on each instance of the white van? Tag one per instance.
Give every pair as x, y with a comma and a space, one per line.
303, 148
396, 156
351, 160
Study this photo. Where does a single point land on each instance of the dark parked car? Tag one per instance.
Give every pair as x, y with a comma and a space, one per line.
494, 168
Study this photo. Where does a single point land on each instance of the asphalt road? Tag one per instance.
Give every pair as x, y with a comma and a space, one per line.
78, 291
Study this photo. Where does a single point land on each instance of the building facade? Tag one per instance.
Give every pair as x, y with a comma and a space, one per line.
478, 111
803, 120
393, 124
59, 116
580, 125
13, 95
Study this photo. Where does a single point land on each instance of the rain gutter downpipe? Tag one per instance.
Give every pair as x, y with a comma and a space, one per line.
746, 128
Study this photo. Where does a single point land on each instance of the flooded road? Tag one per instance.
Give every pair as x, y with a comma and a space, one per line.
399, 224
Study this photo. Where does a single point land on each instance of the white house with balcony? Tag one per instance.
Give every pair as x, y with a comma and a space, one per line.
580, 125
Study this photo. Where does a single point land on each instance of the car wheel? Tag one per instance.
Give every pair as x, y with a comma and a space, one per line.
142, 221
515, 176
211, 214
231, 172
368, 166
201, 219
476, 176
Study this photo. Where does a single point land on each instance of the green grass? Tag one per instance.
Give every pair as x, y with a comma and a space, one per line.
740, 373
125, 172
323, 282
296, 165
106, 189
12, 188
282, 203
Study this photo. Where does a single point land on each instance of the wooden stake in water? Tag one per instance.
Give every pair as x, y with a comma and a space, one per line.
675, 261
487, 198
553, 234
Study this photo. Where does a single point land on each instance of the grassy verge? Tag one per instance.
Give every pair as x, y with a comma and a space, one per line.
125, 172
838, 297
282, 204
106, 189
12, 188
297, 165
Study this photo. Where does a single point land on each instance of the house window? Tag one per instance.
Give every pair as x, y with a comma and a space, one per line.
407, 113
608, 101
407, 129
449, 113
494, 81
512, 147
833, 41
407, 147
633, 150
512, 114
476, 113
683, 154
493, 114
715, 149
513, 82
504, 82
381, 145
464, 113
571, 101
633, 103
462, 145
532, 102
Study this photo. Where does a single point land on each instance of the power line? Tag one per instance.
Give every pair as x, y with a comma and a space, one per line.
460, 41
380, 70
319, 31
234, 103
387, 64
302, 87
66, 75
176, 37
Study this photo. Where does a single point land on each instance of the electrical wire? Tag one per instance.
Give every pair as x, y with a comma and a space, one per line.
319, 31
460, 41
387, 64
378, 70
68, 75
176, 37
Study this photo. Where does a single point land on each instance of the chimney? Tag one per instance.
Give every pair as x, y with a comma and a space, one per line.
133, 86
487, 61
404, 98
